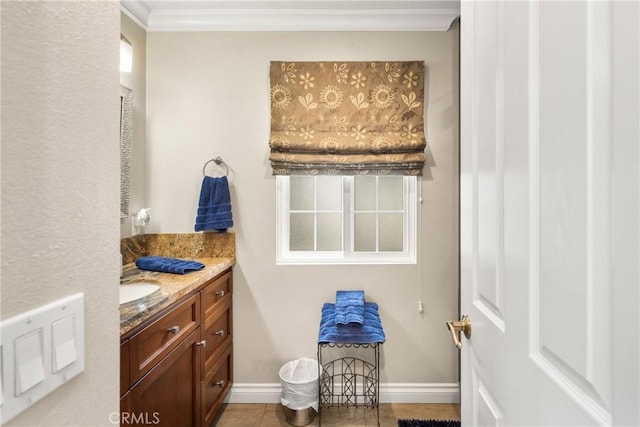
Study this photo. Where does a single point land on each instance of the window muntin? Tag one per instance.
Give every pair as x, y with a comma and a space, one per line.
346, 219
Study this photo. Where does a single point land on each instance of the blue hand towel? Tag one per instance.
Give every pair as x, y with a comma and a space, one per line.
168, 265
214, 205
370, 331
349, 307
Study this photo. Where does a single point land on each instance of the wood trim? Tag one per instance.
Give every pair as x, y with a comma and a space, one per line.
154, 342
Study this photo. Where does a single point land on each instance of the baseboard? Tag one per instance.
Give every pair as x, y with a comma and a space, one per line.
254, 393
419, 393
389, 393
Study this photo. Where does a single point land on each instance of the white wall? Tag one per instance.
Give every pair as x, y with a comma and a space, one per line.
60, 186
136, 80
207, 96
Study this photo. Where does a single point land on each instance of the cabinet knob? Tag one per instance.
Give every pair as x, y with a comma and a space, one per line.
220, 332
220, 383
202, 343
220, 293
174, 329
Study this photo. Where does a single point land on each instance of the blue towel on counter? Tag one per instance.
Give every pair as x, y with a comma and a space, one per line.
369, 332
214, 205
349, 307
168, 265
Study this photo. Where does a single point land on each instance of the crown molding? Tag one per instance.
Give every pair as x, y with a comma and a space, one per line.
137, 11
270, 15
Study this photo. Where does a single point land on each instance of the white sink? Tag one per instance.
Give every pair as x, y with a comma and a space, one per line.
136, 291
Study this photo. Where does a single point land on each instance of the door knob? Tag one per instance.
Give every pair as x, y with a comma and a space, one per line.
456, 326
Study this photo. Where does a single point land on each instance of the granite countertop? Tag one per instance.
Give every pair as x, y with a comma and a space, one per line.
172, 288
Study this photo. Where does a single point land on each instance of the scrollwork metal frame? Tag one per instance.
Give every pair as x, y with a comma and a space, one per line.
349, 381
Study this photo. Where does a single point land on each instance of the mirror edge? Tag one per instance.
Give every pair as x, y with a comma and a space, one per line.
126, 136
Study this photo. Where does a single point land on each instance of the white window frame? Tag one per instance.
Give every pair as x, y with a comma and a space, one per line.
348, 256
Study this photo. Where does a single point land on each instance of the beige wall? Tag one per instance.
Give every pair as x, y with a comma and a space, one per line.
136, 80
207, 96
60, 163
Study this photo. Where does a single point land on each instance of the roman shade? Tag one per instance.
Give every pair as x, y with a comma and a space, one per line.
347, 118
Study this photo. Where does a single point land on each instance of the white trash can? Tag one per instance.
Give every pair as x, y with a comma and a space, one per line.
299, 379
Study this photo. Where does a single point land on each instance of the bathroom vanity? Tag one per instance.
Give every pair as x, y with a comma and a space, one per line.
176, 351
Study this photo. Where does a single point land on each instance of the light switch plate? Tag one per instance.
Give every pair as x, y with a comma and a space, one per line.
63, 342
40, 351
28, 361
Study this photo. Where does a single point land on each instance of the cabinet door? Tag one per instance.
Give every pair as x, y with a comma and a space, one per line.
125, 410
124, 367
169, 394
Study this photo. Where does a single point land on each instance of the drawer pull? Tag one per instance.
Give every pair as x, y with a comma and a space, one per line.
220, 332
220, 293
174, 329
220, 383
202, 343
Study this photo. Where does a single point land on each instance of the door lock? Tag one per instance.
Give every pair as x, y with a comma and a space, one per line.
456, 326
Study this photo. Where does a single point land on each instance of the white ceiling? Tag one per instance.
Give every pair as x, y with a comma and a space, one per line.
293, 15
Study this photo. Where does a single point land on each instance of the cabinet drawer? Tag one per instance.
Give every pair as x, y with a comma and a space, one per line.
218, 335
155, 341
216, 385
215, 294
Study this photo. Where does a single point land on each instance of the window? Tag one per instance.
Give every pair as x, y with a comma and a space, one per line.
359, 219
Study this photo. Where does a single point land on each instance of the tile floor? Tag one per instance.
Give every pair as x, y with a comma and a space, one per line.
272, 415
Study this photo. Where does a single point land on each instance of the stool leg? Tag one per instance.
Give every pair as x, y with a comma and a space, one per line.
319, 385
377, 360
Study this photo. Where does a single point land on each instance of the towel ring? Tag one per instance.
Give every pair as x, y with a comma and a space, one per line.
218, 161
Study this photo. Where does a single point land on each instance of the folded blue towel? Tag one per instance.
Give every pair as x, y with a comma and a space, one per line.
370, 331
214, 205
369, 307
349, 307
168, 265
370, 317
349, 297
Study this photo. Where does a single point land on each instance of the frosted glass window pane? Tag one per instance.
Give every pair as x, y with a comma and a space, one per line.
301, 232
364, 232
329, 190
301, 193
329, 232
390, 193
391, 232
365, 193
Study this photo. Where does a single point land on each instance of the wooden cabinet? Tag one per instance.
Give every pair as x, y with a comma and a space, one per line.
177, 367
216, 385
217, 330
216, 318
168, 395
160, 336
124, 367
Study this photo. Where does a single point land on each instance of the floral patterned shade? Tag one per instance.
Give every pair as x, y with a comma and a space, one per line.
347, 118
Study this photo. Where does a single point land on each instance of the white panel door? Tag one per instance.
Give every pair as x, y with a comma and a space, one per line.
549, 213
